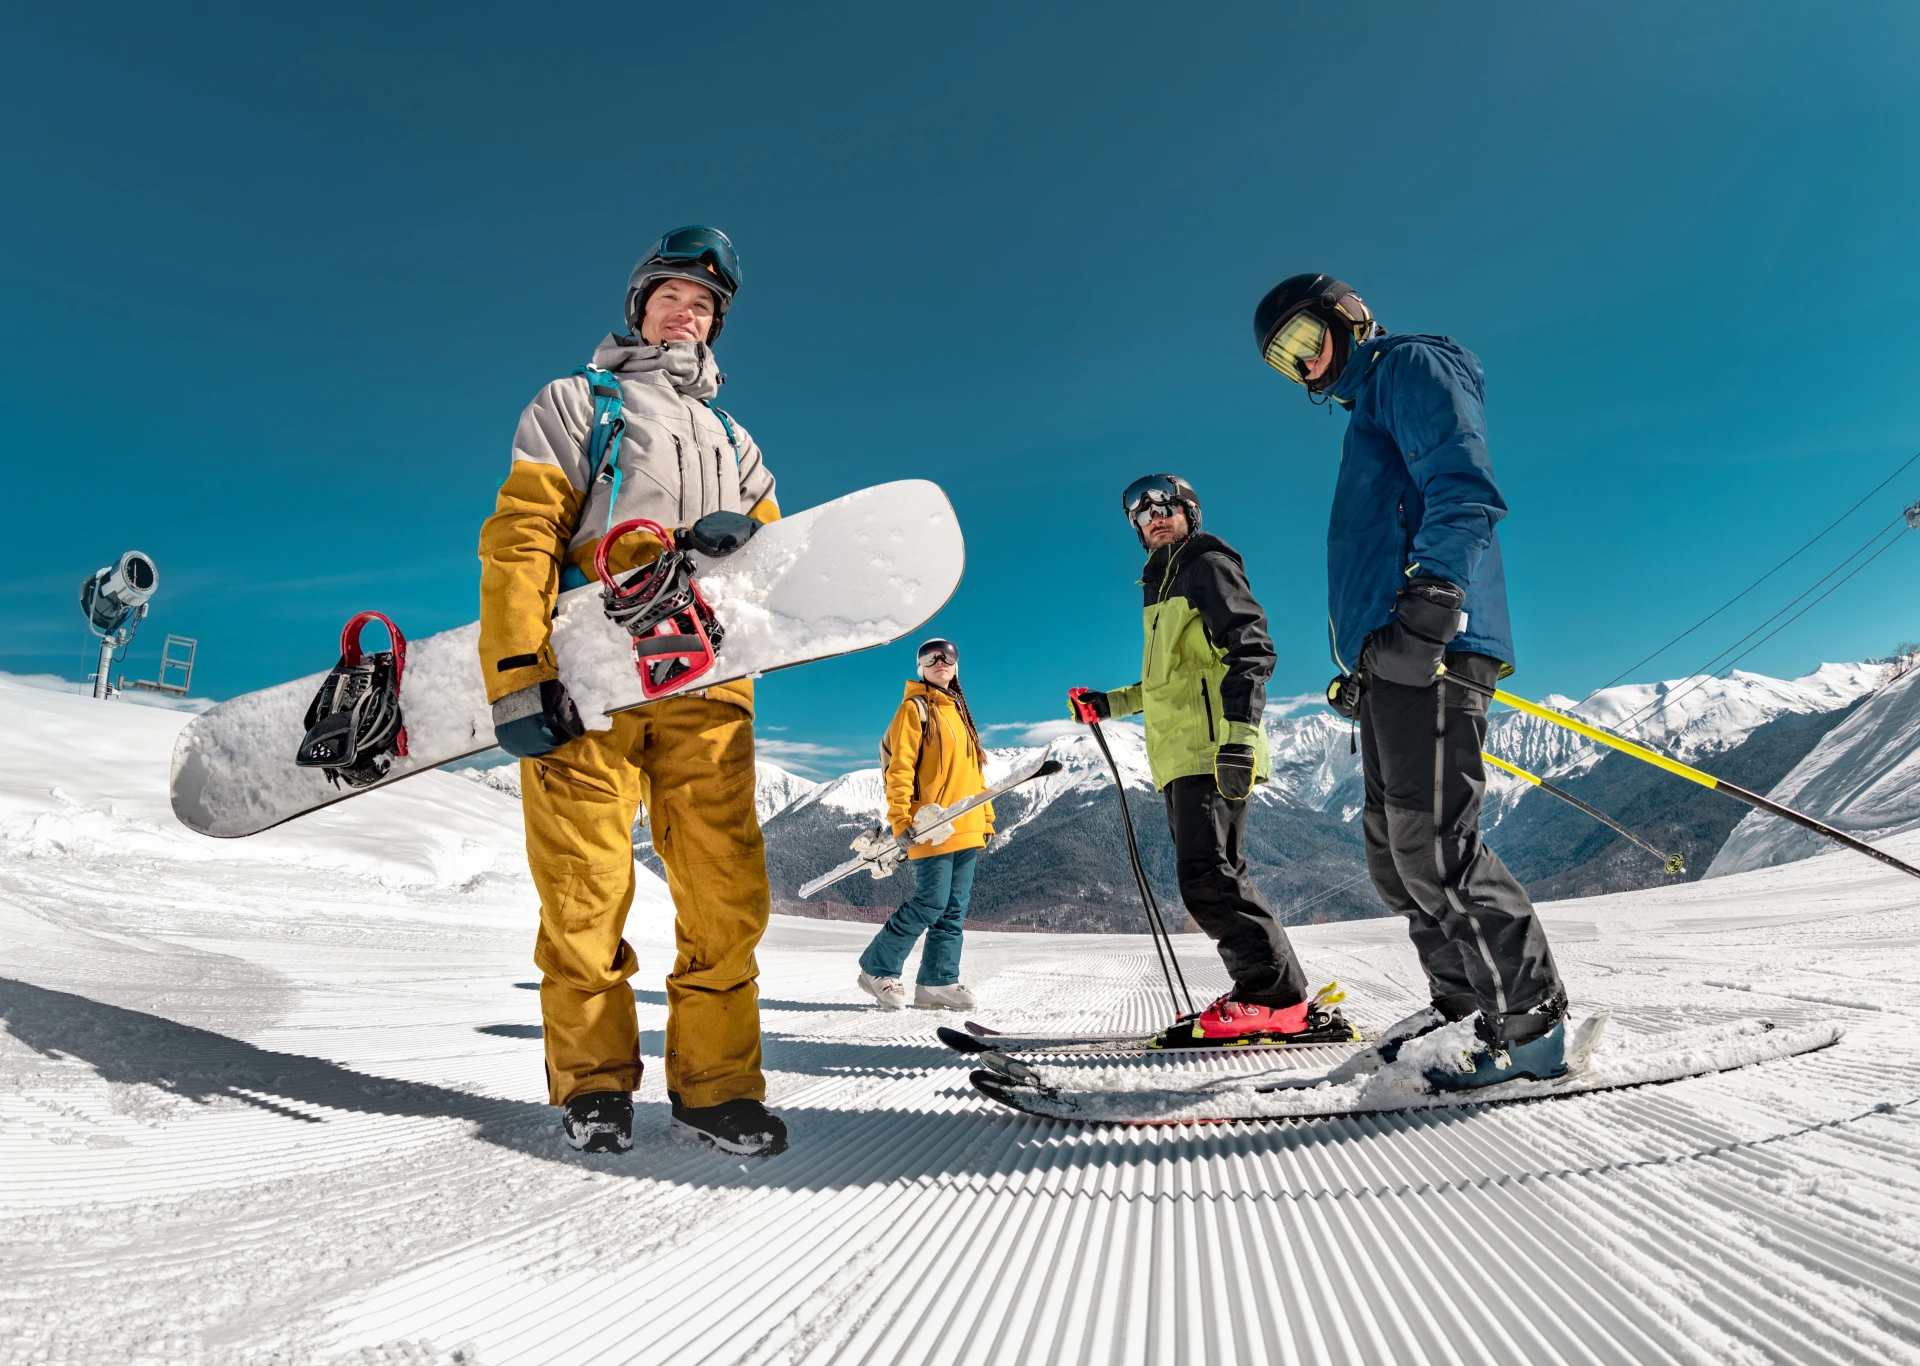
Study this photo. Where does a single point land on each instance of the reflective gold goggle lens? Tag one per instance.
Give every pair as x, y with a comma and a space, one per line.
1296, 343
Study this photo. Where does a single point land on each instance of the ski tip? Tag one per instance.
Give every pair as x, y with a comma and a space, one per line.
960, 1042
980, 1029
1048, 769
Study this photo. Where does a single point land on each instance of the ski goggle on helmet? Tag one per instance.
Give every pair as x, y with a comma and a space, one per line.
704, 253
1160, 495
1296, 318
937, 651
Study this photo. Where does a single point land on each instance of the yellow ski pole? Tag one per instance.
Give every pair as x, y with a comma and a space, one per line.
1671, 862
1687, 771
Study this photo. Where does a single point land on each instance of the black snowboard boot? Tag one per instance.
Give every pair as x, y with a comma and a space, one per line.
739, 1126
599, 1122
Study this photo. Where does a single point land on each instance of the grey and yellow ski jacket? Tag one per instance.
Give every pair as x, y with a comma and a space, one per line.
1205, 663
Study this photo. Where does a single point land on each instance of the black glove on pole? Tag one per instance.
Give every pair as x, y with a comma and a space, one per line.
1233, 771
1409, 649
1082, 700
1343, 695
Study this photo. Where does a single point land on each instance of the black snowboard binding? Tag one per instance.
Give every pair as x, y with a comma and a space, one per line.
354, 727
675, 633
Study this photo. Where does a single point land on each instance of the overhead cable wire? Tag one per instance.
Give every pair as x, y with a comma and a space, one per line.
1764, 577
1706, 672
1817, 601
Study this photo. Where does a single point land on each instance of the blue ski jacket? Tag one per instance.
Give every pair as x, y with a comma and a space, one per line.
1415, 497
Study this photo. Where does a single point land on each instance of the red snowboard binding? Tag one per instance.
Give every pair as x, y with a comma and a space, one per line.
354, 727
675, 633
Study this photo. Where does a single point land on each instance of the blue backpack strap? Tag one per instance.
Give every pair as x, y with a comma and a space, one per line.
733, 438
603, 450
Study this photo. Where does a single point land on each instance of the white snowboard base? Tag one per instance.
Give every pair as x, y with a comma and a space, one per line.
848, 575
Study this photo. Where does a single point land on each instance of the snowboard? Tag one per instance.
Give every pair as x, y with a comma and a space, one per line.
885, 856
1399, 1086
848, 575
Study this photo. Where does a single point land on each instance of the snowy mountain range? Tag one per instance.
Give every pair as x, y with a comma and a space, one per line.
1061, 860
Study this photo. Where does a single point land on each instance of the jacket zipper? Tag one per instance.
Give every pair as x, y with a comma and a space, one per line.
1206, 705
680, 461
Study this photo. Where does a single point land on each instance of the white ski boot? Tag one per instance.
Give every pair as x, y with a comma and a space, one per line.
888, 991
955, 997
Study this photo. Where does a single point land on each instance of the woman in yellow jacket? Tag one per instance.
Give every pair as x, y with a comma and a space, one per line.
931, 755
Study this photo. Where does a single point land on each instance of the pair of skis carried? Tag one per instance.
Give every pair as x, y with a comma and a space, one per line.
1361, 1083
877, 852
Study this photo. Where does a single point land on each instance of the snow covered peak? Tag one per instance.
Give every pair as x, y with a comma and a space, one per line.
1863, 777
1690, 718
775, 789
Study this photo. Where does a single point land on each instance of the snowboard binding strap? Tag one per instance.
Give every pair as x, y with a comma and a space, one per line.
675, 633
354, 727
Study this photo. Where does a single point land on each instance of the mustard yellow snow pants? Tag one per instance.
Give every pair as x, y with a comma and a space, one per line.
690, 760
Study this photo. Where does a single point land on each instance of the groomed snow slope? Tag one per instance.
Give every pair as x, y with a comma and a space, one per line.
280, 1100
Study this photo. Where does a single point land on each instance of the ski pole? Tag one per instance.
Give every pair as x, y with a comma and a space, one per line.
1156, 927
1687, 771
1671, 862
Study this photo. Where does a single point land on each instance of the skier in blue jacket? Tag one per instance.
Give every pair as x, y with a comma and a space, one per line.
1414, 582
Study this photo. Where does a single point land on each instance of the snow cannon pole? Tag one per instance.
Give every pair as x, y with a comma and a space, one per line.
1687, 771
1671, 862
1156, 927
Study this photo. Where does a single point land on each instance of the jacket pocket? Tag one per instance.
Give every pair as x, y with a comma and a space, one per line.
1206, 705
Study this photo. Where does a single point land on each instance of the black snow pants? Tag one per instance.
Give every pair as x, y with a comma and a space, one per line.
1472, 924
1209, 834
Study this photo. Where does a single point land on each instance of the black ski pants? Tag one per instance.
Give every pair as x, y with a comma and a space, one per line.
1209, 848
1478, 939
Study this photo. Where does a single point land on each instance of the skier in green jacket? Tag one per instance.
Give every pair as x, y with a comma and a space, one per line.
1203, 687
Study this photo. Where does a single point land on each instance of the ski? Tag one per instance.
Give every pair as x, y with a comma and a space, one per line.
979, 1040
1062, 1094
880, 854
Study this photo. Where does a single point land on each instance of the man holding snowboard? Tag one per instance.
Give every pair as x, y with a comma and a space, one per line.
1417, 608
688, 758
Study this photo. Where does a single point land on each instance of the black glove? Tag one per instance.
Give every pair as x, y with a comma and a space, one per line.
1233, 771
1088, 697
1343, 694
536, 720
717, 533
1408, 650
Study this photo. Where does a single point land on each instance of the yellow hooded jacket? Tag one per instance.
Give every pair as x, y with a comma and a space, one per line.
937, 763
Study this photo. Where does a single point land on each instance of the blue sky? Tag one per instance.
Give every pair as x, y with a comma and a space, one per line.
276, 286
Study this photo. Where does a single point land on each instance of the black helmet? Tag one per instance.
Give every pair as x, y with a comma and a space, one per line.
1157, 491
1314, 305
701, 254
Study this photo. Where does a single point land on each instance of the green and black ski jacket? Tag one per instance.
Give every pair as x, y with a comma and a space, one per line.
1205, 663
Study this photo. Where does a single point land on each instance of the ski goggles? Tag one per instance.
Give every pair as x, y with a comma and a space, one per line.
1296, 344
708, 245
1150, 497
937, 651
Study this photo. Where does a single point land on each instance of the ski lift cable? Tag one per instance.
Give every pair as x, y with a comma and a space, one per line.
1764, 577
1708, 670
1817, 601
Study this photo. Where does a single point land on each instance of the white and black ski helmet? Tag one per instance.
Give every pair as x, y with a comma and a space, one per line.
1159, 491
697, 253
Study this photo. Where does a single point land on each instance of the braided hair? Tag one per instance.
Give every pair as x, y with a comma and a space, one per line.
959, 696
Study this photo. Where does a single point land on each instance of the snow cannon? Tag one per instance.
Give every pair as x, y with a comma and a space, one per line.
114, 600
112, 595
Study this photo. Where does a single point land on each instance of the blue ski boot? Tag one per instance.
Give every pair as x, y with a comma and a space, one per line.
1541, 1057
